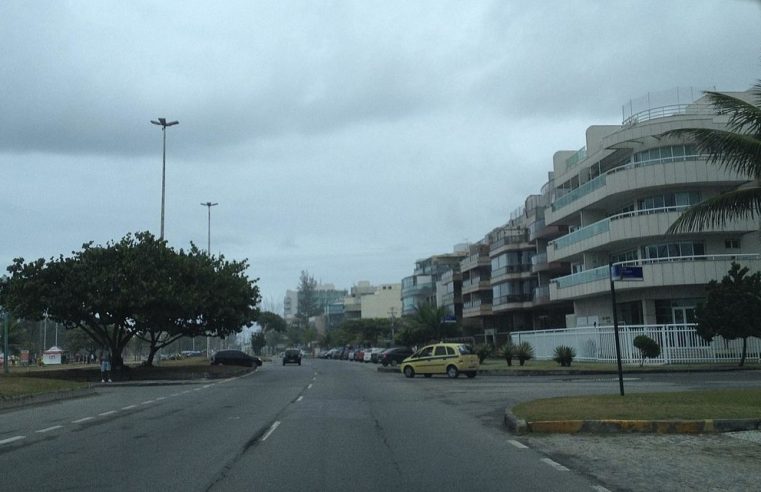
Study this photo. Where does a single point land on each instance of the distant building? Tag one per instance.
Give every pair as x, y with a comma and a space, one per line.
420, 287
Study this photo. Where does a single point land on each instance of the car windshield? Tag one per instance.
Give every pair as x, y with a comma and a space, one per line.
383, 203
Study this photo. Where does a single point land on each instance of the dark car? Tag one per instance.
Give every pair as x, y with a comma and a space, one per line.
394, 355
292, 356
234, 358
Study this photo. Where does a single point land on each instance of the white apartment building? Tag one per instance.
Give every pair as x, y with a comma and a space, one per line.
617, 197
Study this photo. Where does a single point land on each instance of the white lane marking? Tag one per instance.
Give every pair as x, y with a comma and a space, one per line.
186, 391
174, 394
79, 421
600, 488
147, 402
207, 386
129, 407
310, 386
272, 429
161, 398
299, 398
48, 429
197, 389
111, 412
12, 439
518, 445
555, 464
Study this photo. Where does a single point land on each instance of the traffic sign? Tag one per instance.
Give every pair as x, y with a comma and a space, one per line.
626, 272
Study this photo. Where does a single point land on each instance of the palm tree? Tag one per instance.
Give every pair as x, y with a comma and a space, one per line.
736, 148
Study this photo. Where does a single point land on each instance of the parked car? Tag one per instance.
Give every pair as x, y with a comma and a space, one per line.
359, 355
394, 355
292, 356
372, 355
442, 358
234, 358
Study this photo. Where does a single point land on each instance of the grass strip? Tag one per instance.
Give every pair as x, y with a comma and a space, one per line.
549, 365
15, 386
688, 405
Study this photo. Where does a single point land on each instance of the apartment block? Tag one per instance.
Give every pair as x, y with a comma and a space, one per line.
617, 196
420, 287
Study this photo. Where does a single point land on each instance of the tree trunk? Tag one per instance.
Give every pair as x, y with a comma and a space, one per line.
151, 354
745, 348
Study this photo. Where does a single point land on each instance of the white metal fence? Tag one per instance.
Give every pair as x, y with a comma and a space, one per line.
679, 344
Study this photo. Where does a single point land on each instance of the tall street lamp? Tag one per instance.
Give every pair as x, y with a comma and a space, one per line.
162, 122
208, 205
208, 237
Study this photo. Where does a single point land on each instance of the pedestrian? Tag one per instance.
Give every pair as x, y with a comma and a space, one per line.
105, 366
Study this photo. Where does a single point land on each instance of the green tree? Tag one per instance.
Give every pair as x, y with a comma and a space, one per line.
270, 321
737, 148
258, 341
308, 303
732, 307
135, 287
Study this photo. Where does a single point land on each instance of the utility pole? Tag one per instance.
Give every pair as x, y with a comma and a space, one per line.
163, 124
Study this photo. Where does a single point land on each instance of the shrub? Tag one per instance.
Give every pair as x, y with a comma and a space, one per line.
484, 351
508, 352
564, 355
647, 348
524, 351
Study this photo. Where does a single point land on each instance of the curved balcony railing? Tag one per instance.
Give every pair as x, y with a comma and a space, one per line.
512, 299
600, 181
669, 110
603, 226
510, 269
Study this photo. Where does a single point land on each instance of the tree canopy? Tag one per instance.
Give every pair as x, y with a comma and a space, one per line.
736, 148
732, 308
135, 287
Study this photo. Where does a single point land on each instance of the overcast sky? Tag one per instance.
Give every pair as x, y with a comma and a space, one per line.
348, 139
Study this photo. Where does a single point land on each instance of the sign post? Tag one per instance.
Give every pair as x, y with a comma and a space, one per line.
620, 272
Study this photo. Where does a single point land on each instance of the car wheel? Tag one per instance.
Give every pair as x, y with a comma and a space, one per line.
427, 375
394, 363
452, 372
471, 374
409, 372
299, 362
385, 363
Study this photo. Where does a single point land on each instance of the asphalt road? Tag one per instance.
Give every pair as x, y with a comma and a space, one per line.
336, 425
326, 425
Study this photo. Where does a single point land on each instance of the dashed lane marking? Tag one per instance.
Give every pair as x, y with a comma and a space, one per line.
147, 402
104, 414
599, 488
84, 419
518, 445
555, 464
271, 430
129, 407
12, 439
299, 398
48, 429
310, 386
161, 398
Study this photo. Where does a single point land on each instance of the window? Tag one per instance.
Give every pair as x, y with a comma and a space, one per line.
732, 244
440, 350
672, 250
426, 352
450, 351
624, 256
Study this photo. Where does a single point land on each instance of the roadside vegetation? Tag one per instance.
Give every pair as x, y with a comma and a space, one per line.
704, 404
16, 386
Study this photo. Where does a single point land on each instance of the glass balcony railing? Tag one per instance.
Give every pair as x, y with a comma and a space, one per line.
600, 181
603, 226
539, 259
510, 269
511, 299
584, 277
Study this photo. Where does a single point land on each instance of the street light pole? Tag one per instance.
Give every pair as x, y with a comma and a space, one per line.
208, 205
163, 124
208, 236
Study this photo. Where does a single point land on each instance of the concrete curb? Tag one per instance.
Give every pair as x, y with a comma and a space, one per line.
27, 400
520, 426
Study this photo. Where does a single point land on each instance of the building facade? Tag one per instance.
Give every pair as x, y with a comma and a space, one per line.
617, 196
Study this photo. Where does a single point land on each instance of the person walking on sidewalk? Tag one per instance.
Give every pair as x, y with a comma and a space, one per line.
105, 366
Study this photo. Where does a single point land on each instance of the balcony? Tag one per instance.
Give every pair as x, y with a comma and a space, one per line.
661, 272
474, 261
513, 241
540, 230
509, 272
476, 308
475, 284
541, 295
539, 263
665, 172
512, 301
450, 299
628, 226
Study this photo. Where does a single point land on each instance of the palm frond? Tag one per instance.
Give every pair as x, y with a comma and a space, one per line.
730, 150
716, 212
744, 117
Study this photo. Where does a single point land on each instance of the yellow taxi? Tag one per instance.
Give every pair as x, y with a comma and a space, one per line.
441, 358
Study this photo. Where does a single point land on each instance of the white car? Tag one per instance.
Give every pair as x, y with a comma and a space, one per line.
370, 352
